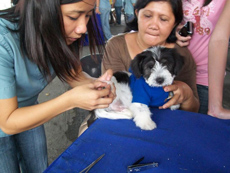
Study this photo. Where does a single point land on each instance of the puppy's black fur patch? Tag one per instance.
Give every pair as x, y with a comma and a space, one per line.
172, 60
137, 66
121, 77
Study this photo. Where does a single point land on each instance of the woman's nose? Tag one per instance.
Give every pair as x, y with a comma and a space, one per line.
81, 27
154, 23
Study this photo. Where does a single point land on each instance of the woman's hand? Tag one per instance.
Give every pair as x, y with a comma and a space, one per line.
97, 94
106, 76
91, 96
97, 11
182, 41
183, 95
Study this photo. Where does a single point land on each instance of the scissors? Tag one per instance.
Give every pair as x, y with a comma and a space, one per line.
92, 164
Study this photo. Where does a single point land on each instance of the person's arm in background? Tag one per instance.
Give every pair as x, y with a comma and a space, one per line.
113, 4
133, 2
97, 11
218, 51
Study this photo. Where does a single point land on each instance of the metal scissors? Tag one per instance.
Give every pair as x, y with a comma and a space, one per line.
92, 164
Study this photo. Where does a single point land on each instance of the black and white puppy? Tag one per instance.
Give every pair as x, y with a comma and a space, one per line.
143, 87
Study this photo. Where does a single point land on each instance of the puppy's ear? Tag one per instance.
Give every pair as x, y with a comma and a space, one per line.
179, 62
137, 64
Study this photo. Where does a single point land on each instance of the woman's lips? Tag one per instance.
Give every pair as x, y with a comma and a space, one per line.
72, 39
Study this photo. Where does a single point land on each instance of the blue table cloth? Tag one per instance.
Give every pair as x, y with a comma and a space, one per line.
182, 142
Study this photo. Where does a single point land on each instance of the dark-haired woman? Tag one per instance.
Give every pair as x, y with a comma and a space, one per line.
204, 15
41, 39
154, 24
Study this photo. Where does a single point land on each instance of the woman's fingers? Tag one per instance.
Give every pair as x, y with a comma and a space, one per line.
182, 41
106, 76
180, 93
91, 96
172, 101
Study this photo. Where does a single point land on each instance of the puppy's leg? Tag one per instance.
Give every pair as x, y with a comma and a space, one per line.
174, 107
142, 116
103, 113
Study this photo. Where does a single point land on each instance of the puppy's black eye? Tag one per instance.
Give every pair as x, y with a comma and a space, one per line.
164, 61
150, 66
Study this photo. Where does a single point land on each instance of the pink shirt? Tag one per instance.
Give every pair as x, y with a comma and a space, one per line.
204, 19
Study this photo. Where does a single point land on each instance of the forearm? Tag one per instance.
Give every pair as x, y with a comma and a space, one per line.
216, 68
97, 3
218, 49
26, 118
83, 78
217, 63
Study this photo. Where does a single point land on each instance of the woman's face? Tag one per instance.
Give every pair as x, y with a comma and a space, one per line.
75, 17
155, 23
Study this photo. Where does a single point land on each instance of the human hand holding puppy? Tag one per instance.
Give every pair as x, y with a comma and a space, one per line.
182, 94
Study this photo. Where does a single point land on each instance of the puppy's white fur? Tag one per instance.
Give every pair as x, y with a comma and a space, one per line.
119, 108
142, 116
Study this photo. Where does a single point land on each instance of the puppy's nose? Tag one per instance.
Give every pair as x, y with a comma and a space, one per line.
160, 80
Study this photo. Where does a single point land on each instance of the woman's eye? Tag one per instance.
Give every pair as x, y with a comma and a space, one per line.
88, 15
164, 20
147, 16
72, 18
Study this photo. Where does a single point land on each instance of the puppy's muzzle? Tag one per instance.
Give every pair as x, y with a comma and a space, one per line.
160, 80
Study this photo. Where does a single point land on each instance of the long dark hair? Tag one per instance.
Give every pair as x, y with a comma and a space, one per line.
177, 11
42, 37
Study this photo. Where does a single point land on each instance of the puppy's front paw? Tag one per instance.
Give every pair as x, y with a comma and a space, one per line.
174, 107
145, 123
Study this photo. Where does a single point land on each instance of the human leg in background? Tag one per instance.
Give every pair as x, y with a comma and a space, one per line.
105, 22
203, 97
118, 14
111, 21
129, 17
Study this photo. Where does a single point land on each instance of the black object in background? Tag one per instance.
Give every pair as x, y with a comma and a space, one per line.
14, 1
187, 29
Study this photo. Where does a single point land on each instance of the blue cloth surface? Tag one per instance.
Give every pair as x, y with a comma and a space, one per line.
182, 142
